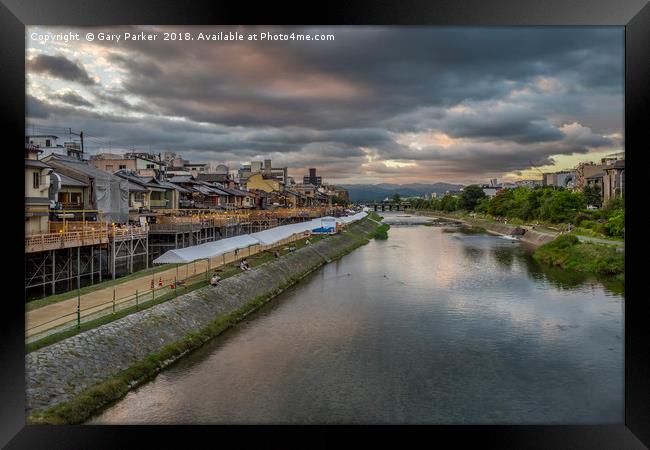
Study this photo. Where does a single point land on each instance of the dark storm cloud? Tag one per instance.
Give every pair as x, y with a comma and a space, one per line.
507, 95
72, 98
36, 109
59, 66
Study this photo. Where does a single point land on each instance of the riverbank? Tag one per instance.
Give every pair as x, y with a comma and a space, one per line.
70, 380
569, 253
531, 237
561, 250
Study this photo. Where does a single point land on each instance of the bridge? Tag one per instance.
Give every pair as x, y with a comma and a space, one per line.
390, 206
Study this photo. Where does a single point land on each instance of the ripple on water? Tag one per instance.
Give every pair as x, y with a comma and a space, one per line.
426, 327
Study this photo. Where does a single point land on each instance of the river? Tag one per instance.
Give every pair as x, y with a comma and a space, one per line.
424, 327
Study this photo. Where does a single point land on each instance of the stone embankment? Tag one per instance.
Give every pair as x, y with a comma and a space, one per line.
57, 373
532, 237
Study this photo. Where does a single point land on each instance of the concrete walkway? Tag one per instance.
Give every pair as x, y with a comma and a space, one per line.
50, 318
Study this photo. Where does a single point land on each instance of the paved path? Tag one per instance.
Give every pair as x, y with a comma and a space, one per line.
617, 242
56, 315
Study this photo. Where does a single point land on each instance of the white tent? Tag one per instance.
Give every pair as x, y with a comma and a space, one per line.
354, 218
266, 237
207, 250
274, 235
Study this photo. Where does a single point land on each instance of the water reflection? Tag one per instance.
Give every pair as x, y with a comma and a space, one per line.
425, 327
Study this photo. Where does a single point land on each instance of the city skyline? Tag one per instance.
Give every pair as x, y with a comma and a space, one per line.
376, 105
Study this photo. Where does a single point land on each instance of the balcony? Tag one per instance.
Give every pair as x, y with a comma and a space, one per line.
158, 203
53, 241
72, 206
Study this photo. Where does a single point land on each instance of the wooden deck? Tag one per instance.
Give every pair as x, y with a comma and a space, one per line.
92, 235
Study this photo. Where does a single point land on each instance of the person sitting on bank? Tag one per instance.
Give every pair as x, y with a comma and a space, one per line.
244, 265
215, 279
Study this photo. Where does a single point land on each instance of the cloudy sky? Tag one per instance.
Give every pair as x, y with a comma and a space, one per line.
376, 104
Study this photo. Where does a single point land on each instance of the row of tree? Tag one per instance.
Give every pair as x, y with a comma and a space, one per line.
557, 205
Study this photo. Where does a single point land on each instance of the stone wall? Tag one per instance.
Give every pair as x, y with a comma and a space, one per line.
530, 237
57, 373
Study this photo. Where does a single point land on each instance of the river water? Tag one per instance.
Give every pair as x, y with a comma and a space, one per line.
424, 327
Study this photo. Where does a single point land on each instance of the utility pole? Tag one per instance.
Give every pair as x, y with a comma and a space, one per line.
81, 136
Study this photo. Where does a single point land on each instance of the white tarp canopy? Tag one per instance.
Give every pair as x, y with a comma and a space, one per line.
207, 250
354, 218
266, 237
274, 235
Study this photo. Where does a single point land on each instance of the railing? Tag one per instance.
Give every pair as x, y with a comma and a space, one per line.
69, 205
74, 225
158, 203
174, 281
53, 241
128, 231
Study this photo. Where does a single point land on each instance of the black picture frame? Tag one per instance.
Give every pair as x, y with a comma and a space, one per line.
634, 15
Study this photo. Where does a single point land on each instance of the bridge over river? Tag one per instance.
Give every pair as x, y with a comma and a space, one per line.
391, 206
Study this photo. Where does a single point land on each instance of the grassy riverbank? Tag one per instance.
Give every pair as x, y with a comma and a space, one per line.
568, 252
85, 404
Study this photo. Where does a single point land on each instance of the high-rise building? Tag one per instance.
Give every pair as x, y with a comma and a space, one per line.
312, 178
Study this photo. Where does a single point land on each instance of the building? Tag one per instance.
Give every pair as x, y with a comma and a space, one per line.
586, 170
37, 201
222, 179
614, 180
264, 183
142, 163
529, 183
195, 168
596, 181
490, 191
68, 193
107, 193
214, 168
238, 198
564, 179
48, 144
312, 178
266, 169
306, 189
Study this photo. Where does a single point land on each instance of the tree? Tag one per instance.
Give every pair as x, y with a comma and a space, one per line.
396, 198
564, 205
449, 203
501, 204
470, 196
336, 200
592, 195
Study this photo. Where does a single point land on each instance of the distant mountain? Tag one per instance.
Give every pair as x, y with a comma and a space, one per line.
378, 192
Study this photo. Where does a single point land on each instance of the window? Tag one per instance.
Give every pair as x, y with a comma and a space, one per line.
122, 166
37, 180
47, 142
149, 166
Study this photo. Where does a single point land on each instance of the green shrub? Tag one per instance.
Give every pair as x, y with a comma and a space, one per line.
581, 217
615, 225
